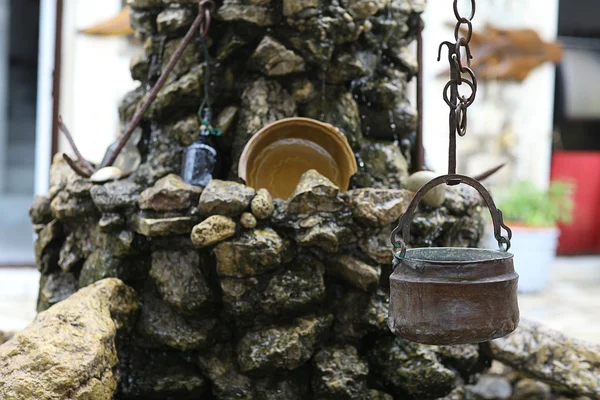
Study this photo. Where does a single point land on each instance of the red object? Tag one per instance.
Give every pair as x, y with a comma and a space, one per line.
582, 236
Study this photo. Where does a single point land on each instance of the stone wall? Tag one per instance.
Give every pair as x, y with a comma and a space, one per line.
243, 296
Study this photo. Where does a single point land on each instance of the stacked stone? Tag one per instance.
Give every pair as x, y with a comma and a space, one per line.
244, 296
345, 62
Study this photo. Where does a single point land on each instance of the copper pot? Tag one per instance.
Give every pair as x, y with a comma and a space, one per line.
452, 295
277, 155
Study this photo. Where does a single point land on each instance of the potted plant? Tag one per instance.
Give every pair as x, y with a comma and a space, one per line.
532, 215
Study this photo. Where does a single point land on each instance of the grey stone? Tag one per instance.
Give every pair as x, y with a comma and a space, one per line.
160, 326
328, 236
340, 110
169, 193
286, 292
122, 244
378, 395
143, 21
381, 165
314, 193
47, 245
179, 280
186, 130
359, 313
114, 196
286, 386
390, 123
54, 288
100, 265
262, 204
111, 222
377, 247
248, 220
240, 10
61, 173
262, 102
402, 56
273, 59
362, 9
292, 7
285, 347
139, 67
303, 91
340, 374
542, 353
378, 207
213, 230
385, 92
185, 91
228, 44
295, 289
464, 358
349, 66
529, 389
407, 367
252, 253
225, 198
355, 272
173, 20
159, 375
490, 387
40, 211
219, 365
145, 3
67, 207
167, 226
188, 63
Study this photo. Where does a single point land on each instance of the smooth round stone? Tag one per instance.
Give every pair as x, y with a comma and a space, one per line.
436, 196
248, 220
106, 174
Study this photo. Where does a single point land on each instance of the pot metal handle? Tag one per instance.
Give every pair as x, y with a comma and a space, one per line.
401, 233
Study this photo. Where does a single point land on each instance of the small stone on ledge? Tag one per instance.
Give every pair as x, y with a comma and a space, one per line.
248, 220
169, 193
262, 204
163, 226
212, 230
225, 198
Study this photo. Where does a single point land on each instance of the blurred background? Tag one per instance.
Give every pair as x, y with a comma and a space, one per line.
538, 109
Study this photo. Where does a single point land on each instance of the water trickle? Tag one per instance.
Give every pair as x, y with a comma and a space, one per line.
323, 99
359, 160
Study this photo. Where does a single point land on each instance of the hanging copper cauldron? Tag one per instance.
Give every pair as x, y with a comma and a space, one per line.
452, 295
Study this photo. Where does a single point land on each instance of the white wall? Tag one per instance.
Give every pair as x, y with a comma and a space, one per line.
510, 122
4, 58
95, 76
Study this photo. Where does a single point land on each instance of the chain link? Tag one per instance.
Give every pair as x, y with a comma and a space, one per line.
459, 59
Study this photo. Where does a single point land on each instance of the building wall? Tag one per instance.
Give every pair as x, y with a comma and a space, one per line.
95, 76
508, 121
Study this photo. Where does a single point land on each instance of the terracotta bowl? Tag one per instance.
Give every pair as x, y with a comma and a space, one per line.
276, 156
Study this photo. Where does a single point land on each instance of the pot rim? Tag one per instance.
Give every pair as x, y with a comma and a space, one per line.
485, 255
336, 133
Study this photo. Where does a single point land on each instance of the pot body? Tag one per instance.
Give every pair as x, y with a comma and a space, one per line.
450, 296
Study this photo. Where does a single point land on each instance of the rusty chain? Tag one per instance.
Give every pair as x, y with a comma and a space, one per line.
459, 58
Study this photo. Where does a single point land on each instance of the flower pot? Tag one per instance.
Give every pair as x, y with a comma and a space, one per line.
534, 250
276, 156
